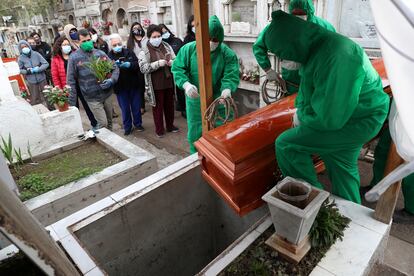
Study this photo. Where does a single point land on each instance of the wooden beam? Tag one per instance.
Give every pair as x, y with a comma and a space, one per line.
203, 57
386, 204
22, 228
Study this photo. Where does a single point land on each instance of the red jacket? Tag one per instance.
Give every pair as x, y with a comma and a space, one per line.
58, 71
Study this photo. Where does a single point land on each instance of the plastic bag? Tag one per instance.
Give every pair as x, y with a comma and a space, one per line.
405, 148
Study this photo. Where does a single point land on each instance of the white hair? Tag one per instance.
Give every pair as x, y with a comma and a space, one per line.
112, 37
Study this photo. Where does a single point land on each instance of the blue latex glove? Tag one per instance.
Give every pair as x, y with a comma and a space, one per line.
118, 62
35, 70
126, 64
106, 84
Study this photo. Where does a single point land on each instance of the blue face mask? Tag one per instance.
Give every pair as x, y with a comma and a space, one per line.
117, 49
74, 36
26, 51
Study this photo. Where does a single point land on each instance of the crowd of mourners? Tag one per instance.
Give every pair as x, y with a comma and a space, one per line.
141, 63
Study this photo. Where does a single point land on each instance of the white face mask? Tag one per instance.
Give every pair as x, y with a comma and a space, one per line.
303, 17
155, 41
213, 45
290, 65
166, 35
94, 37
193, 29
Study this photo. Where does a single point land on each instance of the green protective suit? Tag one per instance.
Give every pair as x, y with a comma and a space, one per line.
381, 155
341, 104
260, 50
225, 68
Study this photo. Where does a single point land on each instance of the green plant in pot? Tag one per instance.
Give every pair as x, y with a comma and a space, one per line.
101, 67
58, 97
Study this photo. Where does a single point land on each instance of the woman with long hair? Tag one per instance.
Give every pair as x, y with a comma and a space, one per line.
176, 44
190, 37
155, 61
134, 44
60, 57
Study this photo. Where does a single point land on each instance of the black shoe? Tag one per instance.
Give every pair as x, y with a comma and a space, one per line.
174, 130
184, 114
403, 217
127, 132
140, 128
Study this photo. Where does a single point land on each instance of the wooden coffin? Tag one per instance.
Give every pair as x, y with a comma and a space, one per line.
238, 160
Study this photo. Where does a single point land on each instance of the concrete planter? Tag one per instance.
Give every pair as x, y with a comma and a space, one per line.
291, 222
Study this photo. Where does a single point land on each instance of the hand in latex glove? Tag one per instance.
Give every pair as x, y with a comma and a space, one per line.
296, 121
106, 84
162, 62
35, 70
271, 75
125, 64
226, 93
191, 90
170, 62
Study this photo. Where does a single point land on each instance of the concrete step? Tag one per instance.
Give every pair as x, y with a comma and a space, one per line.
400, 255
384, 270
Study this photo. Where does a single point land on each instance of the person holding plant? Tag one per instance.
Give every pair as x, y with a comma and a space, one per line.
96, 74
33, 66
60, 58
155, 61
134, 44
127, 87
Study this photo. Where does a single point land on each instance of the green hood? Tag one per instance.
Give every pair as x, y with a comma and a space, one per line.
215, 28
305, 5
295, 37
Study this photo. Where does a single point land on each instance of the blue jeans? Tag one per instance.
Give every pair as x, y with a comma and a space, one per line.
129, 101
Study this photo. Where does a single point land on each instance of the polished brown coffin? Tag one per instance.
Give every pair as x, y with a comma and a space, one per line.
238, 159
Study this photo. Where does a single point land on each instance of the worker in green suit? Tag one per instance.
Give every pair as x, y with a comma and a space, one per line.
305, 10
406, 215
225, 68
340, 105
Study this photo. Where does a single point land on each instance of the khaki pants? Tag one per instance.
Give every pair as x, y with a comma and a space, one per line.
36, 94
102, 111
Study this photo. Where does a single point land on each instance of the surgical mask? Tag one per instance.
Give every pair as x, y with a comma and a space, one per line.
303, 17
193, 29
26, 50
138, 32
74, 36
290, 65
94, 37
155, 41
87, 46
166, 35
66, 49
213, 46
117, 49
61, 33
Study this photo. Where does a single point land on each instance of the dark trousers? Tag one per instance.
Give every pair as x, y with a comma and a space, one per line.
142, 96
164, 107
180, 100
129, 101
85, 105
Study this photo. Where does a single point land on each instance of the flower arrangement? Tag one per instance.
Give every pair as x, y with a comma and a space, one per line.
101, 67
145, 23
101, 26
58, 97
86, 24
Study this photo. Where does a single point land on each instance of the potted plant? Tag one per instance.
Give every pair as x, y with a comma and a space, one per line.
58, 97
294, 205
101, 67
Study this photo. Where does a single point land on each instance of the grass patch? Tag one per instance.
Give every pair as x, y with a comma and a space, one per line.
53, 172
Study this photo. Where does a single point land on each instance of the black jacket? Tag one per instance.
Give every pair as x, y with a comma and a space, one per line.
175, 43
129, 78
45, 50
189, 38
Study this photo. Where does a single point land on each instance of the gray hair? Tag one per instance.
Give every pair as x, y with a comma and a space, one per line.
112, 37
